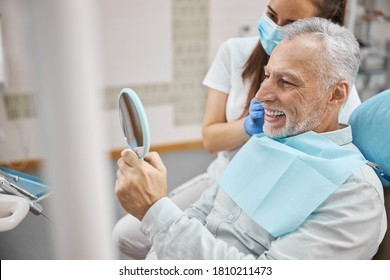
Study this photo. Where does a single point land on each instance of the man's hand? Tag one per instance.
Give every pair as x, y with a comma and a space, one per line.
140, 183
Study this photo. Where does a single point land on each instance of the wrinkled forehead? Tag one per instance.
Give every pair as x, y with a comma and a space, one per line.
300, 55
302, 38
303, 48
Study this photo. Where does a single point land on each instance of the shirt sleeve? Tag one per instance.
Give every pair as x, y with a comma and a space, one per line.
199, 210
175, 235
329, 233
182, 235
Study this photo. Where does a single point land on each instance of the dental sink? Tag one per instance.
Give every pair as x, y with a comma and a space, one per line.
13, 209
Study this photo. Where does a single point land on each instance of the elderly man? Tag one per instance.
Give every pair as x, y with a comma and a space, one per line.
301, 190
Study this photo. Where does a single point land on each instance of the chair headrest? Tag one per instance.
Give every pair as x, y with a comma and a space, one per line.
370, 123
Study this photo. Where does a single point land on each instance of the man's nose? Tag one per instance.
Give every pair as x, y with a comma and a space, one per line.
266, 92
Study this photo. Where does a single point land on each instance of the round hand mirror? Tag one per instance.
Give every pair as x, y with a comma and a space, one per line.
134, 122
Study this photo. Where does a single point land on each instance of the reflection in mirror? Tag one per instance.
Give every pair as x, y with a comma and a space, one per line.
134, 122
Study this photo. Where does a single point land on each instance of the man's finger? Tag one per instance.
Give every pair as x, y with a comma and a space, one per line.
130, 157
155, 160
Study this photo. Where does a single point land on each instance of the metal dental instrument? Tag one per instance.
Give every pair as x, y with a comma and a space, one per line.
14, 178
35, 207
23, 191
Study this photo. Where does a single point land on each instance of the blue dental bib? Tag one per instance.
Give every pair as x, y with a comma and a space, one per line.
280, 182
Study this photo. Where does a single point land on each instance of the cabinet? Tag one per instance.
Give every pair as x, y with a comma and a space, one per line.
370, 21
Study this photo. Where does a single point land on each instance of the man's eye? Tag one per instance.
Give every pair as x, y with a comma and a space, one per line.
286, 83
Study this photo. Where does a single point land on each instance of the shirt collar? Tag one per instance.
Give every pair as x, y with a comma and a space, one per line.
341, 136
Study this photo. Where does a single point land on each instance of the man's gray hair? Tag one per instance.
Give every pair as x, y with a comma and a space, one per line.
339, 58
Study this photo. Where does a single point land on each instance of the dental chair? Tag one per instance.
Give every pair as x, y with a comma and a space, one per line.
370, 124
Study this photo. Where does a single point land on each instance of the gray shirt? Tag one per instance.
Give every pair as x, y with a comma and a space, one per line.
349, 224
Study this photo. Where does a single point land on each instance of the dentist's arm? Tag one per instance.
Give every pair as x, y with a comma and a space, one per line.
218, 134
140, 183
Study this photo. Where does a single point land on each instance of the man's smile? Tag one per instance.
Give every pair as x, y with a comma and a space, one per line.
274, 113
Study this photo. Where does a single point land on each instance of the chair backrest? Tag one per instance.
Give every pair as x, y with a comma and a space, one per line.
370, 124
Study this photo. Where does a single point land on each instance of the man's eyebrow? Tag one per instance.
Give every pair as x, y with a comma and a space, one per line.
284, 74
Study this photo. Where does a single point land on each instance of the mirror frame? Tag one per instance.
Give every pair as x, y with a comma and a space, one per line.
142, 118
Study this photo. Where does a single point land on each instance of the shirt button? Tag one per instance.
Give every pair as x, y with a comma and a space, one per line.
230, 217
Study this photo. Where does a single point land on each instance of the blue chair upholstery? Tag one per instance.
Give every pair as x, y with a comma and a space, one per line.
370, 124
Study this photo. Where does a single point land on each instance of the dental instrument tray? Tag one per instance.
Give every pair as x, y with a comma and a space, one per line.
26, 184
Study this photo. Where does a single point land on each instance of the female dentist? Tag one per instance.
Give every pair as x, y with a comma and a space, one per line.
233, 80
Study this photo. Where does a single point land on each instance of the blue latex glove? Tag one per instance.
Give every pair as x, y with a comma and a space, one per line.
254, 122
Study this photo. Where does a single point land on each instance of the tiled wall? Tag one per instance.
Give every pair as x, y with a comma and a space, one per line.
19, 106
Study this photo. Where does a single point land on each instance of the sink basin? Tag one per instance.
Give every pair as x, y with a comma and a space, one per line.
13, 210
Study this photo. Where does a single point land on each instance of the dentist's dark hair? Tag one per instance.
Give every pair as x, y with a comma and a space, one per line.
333, 10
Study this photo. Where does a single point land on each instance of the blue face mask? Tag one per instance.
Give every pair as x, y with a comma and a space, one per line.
270, 33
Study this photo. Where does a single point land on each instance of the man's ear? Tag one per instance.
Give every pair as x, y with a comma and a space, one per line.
339, 93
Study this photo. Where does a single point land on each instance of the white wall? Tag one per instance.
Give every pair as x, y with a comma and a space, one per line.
137, 41
228, 17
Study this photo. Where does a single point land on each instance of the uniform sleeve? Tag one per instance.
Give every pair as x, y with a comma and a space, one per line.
219, 75
352, 102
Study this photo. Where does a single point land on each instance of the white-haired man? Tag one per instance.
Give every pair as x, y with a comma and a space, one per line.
301, 190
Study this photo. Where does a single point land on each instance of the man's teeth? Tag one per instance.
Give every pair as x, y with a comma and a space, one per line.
274, 113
